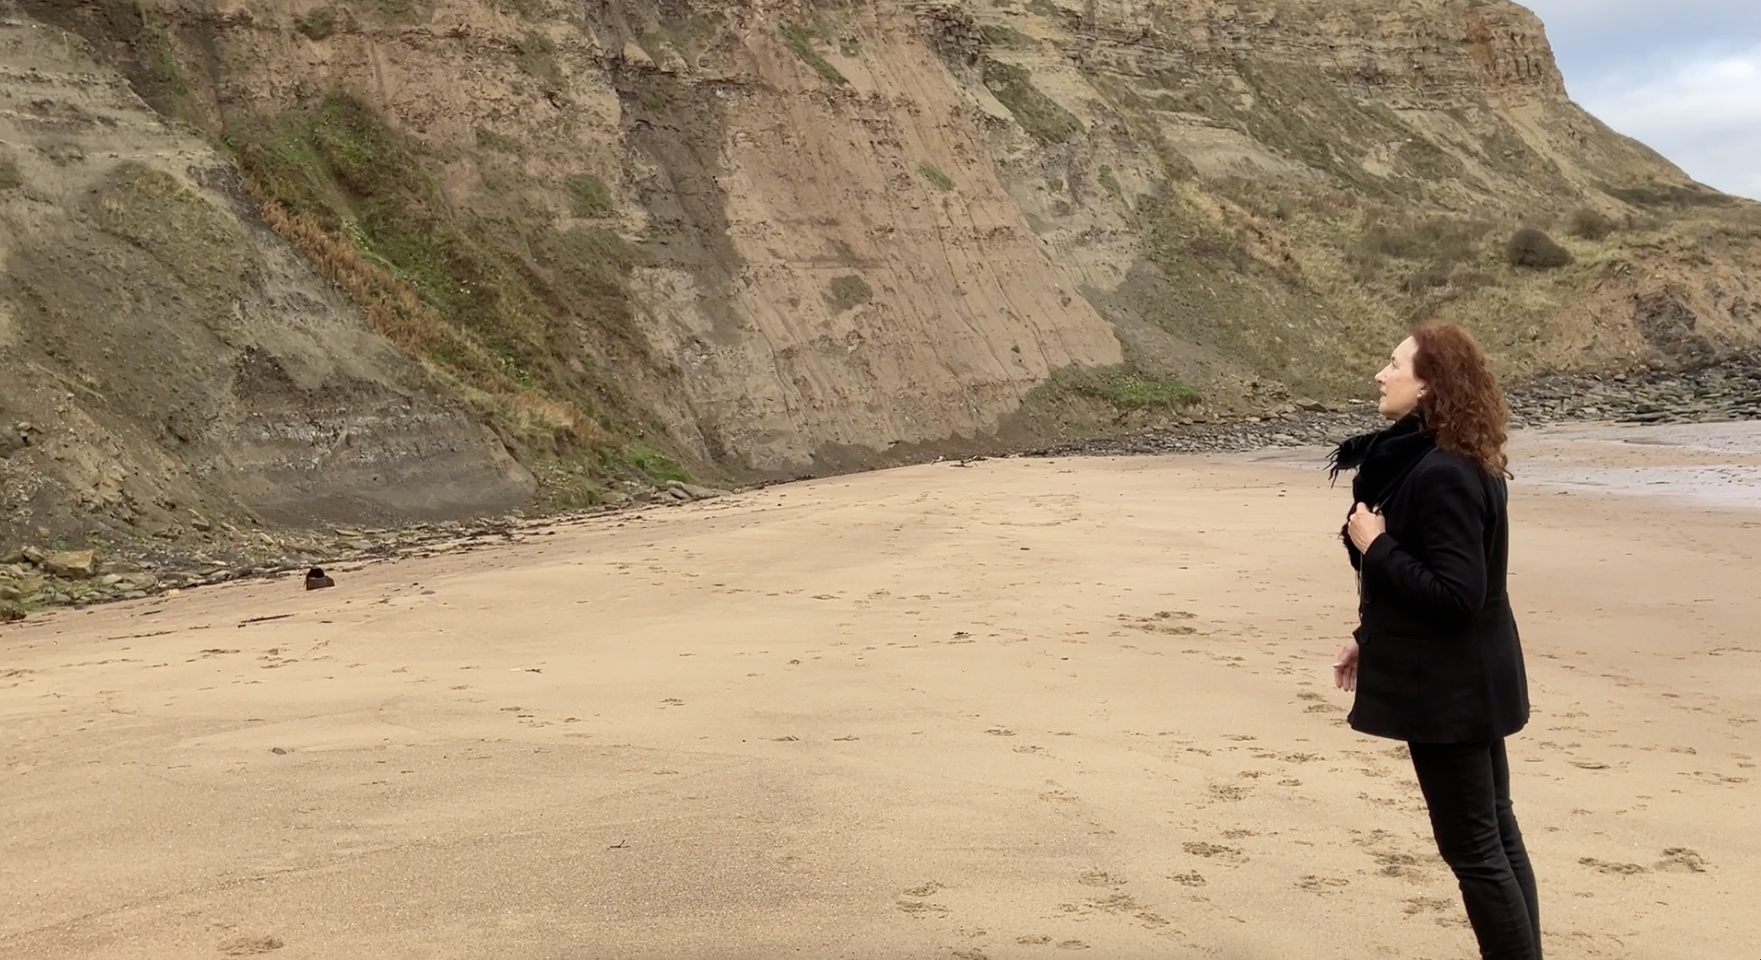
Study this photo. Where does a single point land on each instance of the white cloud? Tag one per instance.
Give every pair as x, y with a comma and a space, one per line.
1702, 109
1589, 31
1683, 76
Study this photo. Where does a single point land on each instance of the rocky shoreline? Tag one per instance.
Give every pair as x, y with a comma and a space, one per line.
1726, 392
33, 578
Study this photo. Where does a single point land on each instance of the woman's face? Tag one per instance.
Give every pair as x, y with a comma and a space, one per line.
1400, 389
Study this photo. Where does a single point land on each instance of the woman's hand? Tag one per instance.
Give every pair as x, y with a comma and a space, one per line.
1345, 667
1365, 526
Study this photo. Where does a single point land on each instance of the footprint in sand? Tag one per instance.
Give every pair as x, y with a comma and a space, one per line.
1214, 851
1400, 865
1188, 879
1614, 869
249, 946
1321, 885
1117, 903
1228, 791
1099, 878
1164, 622
1681, 860
1417, 905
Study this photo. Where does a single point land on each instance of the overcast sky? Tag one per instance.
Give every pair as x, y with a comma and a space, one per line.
1683, 76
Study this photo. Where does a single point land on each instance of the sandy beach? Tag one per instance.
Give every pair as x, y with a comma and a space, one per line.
1008, 709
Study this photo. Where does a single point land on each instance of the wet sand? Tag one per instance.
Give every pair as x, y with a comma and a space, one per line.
1020, 708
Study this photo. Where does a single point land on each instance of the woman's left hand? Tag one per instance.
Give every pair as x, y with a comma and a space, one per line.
1365, 526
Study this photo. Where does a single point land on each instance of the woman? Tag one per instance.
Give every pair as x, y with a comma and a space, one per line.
1435, 659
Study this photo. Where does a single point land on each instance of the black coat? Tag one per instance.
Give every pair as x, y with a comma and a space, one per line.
1439, 660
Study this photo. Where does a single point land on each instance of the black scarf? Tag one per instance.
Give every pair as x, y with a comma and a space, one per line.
1382, 460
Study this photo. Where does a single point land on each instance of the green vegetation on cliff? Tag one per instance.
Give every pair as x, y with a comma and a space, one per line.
491, 304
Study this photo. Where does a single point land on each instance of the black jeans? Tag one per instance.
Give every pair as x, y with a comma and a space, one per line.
1467, 788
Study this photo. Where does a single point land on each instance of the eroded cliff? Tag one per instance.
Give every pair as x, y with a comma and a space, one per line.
758, 238
169, 362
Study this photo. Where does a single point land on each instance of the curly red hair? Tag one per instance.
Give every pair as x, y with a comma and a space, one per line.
1461, 406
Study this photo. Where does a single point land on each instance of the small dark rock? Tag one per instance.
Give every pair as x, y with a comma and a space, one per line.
317, 580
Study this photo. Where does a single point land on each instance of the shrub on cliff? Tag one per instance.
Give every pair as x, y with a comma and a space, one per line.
1531, 248
1588, 224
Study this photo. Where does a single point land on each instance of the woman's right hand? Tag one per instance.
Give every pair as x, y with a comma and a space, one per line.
1345, 667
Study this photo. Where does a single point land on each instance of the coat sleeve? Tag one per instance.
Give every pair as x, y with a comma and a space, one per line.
1443, 575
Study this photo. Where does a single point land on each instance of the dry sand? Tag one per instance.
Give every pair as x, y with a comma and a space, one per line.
1012, 709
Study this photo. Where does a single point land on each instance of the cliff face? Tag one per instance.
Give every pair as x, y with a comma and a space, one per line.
169, 362
1283, 186
757, 237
